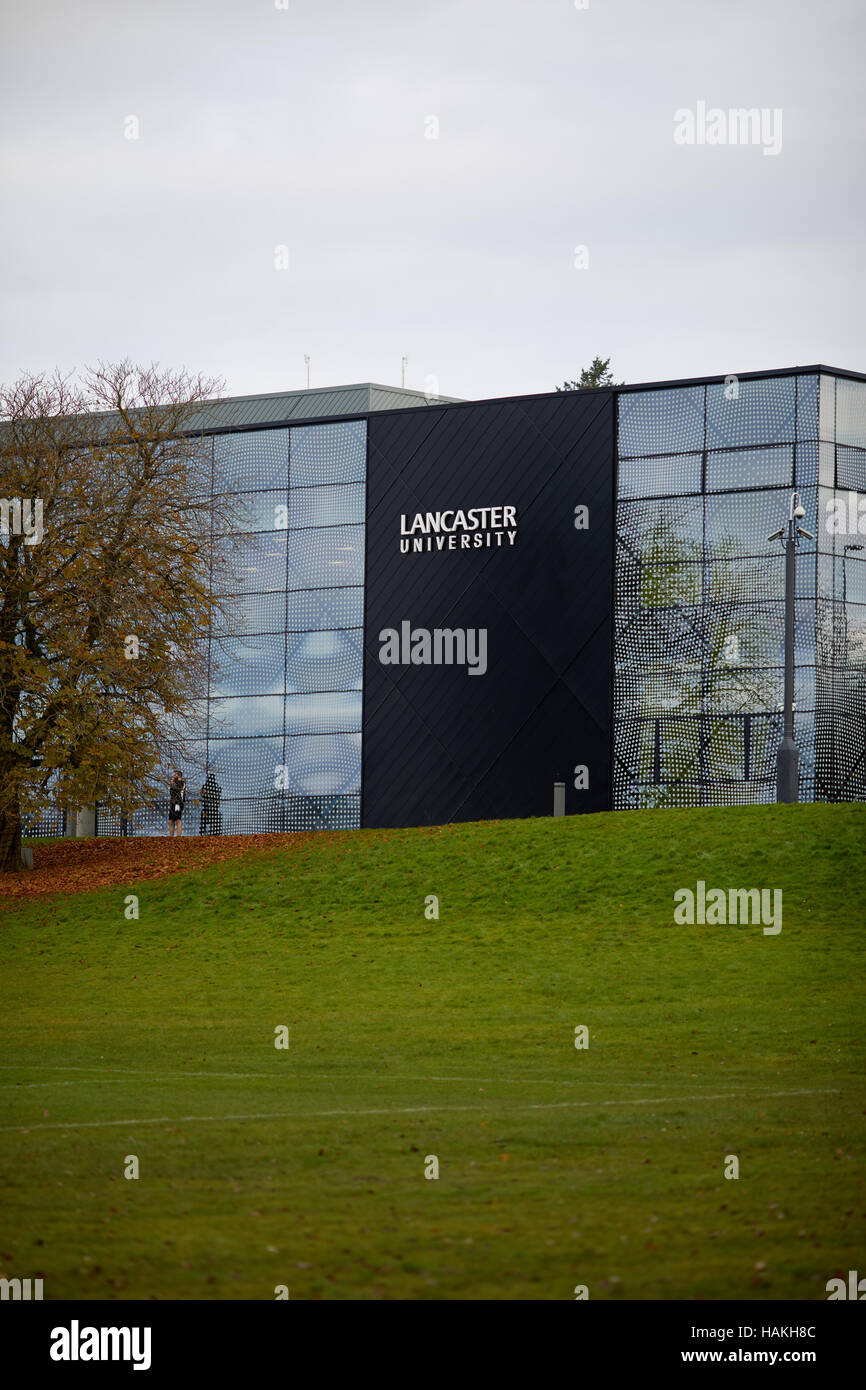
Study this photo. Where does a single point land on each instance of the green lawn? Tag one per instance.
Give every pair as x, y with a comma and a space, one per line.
413, 1037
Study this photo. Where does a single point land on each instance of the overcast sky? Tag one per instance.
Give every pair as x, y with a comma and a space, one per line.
306, 127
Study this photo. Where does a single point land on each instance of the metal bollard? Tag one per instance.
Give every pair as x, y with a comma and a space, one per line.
559, 798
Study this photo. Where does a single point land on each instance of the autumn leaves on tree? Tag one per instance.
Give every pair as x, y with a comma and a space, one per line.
102, 615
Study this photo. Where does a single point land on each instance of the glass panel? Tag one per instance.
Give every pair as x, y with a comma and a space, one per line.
664, 639
665, 691
762, 412
843, 518
804, 733
634, 750
804, 688
189, 725
329, 555
851, 412
851, 469
832, 517
753, 690
725, 750
851, 577
853, 620
661, 585
248, 665
807, 407
329, 453
321, 714
662, 531
807, 566
324, 661
190, 758
253, 613
741, 468
327, 764
826, 576
758, 790
806, 464
748, 635
827, 407
761, 578
679, 749
253, 459
827, 464
281, 812
649, 477
326, 506
661, 422
740, 524
200, 466
262, 511
252, 564
246, 715
317, 608
245, 766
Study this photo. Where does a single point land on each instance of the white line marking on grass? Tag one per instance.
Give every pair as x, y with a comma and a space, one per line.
82, 1081
303, 1076
413, 1110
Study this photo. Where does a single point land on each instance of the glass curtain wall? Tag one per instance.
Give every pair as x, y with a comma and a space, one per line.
840, 721
705, 475
276, 745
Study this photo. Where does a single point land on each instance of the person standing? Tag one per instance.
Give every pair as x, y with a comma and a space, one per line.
176, 799
211, 815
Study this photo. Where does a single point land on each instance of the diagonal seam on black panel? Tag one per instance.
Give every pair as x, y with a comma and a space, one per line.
563, 458
421, 720
504, 749
557, 680
563, 461
557, 675
395, 683
479, 578
480, 575
397, 475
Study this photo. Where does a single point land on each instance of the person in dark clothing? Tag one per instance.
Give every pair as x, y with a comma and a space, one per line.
176, 799
211, 822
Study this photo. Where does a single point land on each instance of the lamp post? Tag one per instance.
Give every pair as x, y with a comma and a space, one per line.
845, 549
840, 683
788, 758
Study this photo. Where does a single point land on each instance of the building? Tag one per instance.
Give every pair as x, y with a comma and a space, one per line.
444, 607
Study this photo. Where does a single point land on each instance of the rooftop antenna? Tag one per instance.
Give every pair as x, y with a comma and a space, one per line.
307, 364
403, 364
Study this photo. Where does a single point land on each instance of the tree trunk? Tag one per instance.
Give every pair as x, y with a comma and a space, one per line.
10, 837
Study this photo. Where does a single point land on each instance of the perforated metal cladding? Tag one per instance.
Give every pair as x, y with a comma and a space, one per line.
699, 631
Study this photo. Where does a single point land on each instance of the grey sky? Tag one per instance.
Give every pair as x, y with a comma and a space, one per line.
305, 127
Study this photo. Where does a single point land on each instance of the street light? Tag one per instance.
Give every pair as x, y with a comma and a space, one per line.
845, 549
787, 758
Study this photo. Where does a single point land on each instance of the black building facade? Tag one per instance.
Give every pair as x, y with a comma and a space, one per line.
445, 742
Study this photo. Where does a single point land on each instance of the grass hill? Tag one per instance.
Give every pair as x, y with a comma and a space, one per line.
413, 1038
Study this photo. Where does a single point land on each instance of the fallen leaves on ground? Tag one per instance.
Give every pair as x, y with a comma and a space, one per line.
78, 866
